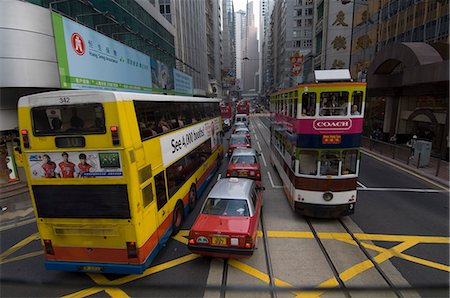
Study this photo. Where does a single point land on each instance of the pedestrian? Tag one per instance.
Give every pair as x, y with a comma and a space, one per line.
393, 139
412, 145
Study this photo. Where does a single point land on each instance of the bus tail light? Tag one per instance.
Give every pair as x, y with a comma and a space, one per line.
131, 249
49, 247
191, 241
115, 135
258, 174
228, 174
25, 138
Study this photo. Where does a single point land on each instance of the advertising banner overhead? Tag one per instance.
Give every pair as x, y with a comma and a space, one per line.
90, 60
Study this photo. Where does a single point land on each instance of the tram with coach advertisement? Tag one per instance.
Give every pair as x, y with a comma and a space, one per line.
315, 138
112, 174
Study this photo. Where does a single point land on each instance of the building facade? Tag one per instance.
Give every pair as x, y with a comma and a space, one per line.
214, 47
241, 33
265, 71
292, 40
250, 76
229, 49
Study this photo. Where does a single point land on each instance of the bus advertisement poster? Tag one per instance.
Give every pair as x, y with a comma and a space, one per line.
75, 164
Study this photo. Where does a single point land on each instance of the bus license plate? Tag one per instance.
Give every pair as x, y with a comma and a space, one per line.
243, 174
91, 268
219, 240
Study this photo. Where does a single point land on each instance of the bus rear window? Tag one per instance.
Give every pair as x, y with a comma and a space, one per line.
69, 119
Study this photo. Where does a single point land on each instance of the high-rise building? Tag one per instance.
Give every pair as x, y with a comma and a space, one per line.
229, 47
191, 45
292, 39
250, 52
241, 34
265, 70
214, 46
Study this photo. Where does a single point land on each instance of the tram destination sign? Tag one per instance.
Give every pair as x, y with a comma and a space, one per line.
331, 139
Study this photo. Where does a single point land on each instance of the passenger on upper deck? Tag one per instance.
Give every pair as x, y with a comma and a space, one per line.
355, 110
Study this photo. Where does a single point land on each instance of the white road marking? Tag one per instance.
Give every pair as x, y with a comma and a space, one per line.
360, 184
256, 137
264, 160
400, 189
219, 176
271, 181
259, 146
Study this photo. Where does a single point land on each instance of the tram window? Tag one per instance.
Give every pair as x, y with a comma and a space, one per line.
357, 100
349, 161
329, 163
308, 104
294, 107
333, 103
308, 162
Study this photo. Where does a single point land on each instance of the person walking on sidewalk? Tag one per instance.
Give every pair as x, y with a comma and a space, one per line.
412, 145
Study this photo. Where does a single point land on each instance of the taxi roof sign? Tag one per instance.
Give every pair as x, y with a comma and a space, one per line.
332, 75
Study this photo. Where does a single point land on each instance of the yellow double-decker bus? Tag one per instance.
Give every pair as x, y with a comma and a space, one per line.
112, 174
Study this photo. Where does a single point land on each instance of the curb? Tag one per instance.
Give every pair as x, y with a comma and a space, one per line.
441, 182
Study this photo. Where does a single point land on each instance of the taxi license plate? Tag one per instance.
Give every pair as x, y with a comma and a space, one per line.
245, 174
91, 268
219, 240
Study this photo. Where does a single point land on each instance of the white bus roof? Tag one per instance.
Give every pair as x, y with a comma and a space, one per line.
332, 75
94, 96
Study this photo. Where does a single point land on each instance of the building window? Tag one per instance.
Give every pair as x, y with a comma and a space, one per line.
308, 22
308, 12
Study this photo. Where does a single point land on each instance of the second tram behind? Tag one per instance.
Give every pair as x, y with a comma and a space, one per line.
315, 138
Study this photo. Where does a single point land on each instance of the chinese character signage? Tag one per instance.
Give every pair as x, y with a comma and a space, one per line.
331, 139
339, 34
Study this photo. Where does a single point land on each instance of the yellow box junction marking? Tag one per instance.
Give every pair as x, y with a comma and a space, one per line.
109, 286
17, 246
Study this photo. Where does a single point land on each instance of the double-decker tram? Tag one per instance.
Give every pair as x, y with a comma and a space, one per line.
112, 174
315, 138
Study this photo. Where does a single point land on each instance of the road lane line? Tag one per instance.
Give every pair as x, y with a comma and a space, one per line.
264, 160
256, 137
360, 184
219, 176
22, 257
404, 170
258, 274
400, 189
19, 245
115, 292
259, 146
271, 181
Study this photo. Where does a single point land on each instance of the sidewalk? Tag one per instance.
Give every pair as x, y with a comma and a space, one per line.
15, 203
437, 170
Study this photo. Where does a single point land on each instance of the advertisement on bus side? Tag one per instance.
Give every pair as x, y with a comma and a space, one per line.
75, 164
180, 143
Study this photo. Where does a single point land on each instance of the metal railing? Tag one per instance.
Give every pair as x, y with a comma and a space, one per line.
402, 153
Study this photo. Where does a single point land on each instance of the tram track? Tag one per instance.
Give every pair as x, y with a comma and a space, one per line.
346, 291
265, 242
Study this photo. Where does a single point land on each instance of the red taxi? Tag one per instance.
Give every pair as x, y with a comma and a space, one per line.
227, 225
237, 141
245, 163
242, 131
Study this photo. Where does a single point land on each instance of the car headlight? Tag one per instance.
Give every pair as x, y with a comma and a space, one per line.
328, 196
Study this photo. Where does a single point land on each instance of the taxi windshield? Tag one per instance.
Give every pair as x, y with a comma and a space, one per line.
244, 159
226, 207
68, 119
238, 140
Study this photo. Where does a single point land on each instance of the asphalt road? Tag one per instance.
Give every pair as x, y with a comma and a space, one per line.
394, 208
